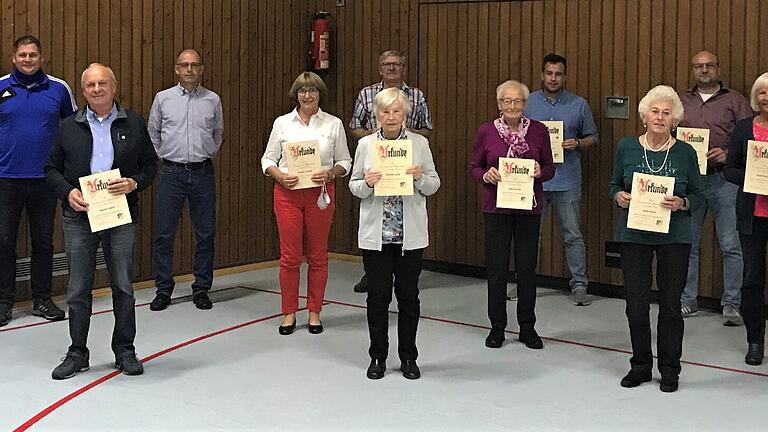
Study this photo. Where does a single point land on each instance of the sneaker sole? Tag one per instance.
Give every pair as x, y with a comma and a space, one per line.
48, 317
120, 368
85, 369
731, 323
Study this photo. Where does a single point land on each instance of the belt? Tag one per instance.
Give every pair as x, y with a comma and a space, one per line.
189, 166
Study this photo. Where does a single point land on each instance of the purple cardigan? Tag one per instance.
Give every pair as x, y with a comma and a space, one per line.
489, 147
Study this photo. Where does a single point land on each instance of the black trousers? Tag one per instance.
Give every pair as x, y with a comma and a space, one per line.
380, 267
671, 273
500, 232
753, 289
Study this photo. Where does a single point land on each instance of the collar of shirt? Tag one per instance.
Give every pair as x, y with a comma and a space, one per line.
403, 86
695, 90
319, 115
184, 91
563, 97
402, 136
92, 117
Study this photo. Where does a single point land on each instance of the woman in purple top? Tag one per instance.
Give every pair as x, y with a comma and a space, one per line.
515, 136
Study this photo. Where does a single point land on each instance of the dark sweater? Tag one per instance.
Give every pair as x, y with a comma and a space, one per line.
735, 166
681, 164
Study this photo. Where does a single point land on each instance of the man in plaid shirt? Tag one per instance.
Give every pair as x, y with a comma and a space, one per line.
392, 67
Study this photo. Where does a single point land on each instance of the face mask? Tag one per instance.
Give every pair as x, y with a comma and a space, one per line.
324, 200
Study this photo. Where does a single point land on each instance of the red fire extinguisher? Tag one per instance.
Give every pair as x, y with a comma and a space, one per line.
320, 40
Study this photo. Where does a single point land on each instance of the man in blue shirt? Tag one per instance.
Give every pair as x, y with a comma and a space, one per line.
31, 105
563, 192
186, 124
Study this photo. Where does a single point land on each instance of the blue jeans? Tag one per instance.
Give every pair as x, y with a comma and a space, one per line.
567, 212
81, 245
198, 188
721, 201
40, 202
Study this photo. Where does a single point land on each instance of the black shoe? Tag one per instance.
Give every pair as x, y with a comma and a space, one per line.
668, 384
72, 363
201, 300
376, 369
531, 339
160, 302
755, 353
129, 364
287, 329
6, 312
635, 377
494, 339
410, 369
315, 329
362, 286
47, 309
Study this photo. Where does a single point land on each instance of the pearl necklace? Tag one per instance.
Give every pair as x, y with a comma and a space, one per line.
645, 153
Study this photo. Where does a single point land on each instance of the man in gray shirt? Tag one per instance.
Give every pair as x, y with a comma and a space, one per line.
186, 126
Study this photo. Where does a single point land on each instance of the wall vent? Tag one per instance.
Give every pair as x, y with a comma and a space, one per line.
24, 265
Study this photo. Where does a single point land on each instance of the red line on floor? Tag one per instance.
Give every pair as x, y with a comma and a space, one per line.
42, 414
553, 339
7, 329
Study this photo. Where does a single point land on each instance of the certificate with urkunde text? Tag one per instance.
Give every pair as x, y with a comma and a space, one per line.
393, 158
302, 158
515, 190
105, 210
555, 128
756, 174
645, 210
698, 138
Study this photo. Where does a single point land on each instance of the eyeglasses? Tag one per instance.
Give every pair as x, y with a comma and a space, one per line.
392, 65
699, 66
307, 90
515, 102
189, 65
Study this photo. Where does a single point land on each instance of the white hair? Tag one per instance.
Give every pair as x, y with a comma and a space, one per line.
659, 93
512, 83
385, 98
760, 83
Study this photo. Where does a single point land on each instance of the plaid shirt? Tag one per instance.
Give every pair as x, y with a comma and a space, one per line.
363, 116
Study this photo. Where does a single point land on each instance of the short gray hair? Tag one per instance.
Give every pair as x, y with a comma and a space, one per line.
512, 83
385, 98
760, 83
658, 93
393, 53
109, 70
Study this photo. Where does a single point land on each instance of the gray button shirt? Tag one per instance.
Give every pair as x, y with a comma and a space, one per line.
186, 126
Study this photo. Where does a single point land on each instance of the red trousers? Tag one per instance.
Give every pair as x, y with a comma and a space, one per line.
303, 230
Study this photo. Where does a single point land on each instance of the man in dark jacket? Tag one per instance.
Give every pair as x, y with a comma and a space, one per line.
101, 137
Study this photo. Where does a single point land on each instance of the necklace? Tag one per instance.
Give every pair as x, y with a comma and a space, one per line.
645, 154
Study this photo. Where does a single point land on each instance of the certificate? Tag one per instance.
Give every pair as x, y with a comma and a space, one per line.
302, 158
756, 174
645, 210
698, 139
555, 129
104, 209
515, 190
393, 158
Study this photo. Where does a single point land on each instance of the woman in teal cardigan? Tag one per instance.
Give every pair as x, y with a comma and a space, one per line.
656, 152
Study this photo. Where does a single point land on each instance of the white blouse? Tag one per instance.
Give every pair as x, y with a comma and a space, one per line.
327, 129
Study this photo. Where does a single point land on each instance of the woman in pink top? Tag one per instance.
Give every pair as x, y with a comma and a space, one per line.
751, 220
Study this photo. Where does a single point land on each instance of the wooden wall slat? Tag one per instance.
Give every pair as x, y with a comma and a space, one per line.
457, 55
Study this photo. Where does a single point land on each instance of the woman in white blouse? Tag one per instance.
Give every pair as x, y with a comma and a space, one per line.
304, 215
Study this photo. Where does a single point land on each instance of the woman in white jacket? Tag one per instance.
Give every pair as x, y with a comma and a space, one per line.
393, 233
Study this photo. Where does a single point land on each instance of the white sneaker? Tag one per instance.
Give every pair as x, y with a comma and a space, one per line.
731, 316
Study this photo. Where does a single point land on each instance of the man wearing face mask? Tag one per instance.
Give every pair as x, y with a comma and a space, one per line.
563, 192
186, 126
711, 105
31, 105
392, 67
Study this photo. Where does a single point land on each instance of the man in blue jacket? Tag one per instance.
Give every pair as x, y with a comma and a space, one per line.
31, 105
